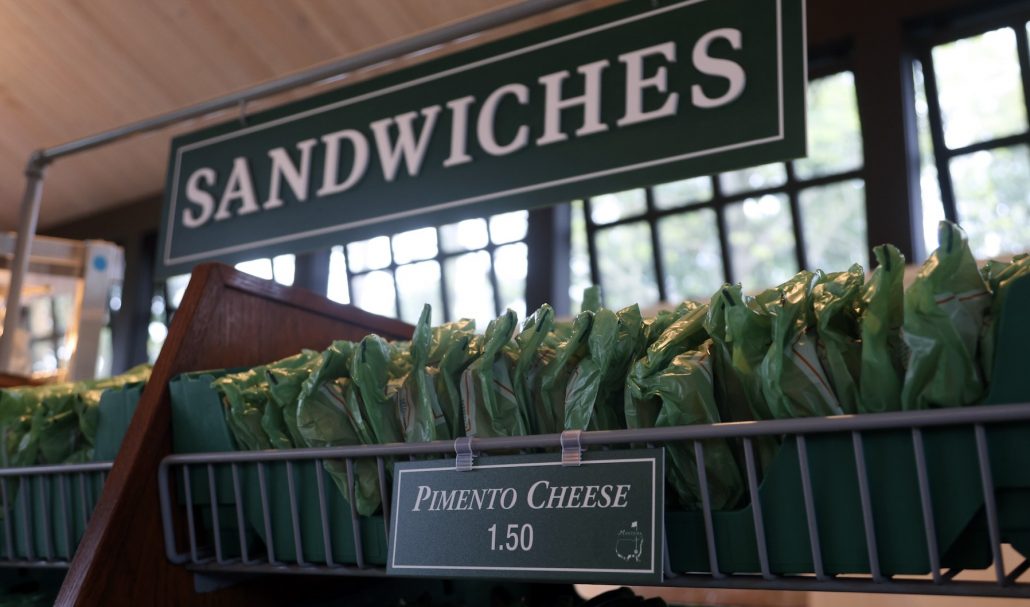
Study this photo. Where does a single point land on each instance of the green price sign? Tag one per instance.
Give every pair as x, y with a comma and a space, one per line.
529, 517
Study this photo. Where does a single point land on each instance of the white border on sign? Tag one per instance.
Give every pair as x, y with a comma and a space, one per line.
169, 260
654, 498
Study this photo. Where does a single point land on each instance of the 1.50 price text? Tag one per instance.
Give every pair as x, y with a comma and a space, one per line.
516, 538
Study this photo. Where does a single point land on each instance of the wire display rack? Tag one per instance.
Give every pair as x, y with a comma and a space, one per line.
219, 509
45, 512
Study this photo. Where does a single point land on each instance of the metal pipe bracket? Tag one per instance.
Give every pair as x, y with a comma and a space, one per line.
571, 448
464, 457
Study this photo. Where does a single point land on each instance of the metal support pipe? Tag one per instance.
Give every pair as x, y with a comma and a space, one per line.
20, 264
382, 54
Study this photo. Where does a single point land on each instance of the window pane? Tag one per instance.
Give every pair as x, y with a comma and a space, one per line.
579, 257
369, 254
374, 292
414, 245
105, 351
992, 192
177, 288
41, 319
337, 289
613, 207
756, 178
157, 307
761, 241
626, 262
509, 227
44, 359
64, 311
680, 193
929, 185
690, 254
419, 284
833, 218
283, 268
511, 263
834, 135
262, 268
467, 235
980, 88
114, 303
156, 333
468, 288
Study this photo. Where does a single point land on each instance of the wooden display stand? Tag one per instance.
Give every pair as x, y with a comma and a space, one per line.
8, 380
226, 319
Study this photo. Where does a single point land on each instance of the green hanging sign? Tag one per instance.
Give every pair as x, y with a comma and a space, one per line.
530, 517
639, 93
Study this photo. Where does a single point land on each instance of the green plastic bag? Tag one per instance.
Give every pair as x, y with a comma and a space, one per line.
400, 358
245, 396
591, 299
944, 314
741, 329
837, 307
686, 391
57, 423
329, 415
416, 403
87, 406
54, 435
641, 402
794, 383
882, 366
370, 372
449, 356
17, 407
581, 393
654, 326
338, 412
614, 343
534, 354
999, 277
570, 346
491, 407
740, 332
285, 380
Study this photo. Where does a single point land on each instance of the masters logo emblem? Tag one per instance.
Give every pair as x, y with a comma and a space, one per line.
629, 544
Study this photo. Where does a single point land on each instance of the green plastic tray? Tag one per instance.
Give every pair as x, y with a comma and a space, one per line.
954, 482
41, 510
199, 426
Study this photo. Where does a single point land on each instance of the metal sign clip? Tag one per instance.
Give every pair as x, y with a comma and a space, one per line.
571, 448
463, 454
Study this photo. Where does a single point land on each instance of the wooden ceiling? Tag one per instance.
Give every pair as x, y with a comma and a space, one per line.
70, 69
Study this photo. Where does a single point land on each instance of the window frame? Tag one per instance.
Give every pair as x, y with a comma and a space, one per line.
922, 42
440, 258
793, 187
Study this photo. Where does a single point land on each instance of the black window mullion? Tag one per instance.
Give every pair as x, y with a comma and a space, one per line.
1023, 49
591, 229
981, 146
56, 334
656, 245
392, 268
490, 249
167, 296
800, 249
940, 149
350, 275
445, 298
724, 234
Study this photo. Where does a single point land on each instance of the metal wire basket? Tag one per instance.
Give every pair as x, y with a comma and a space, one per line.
46, 510
837, 523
